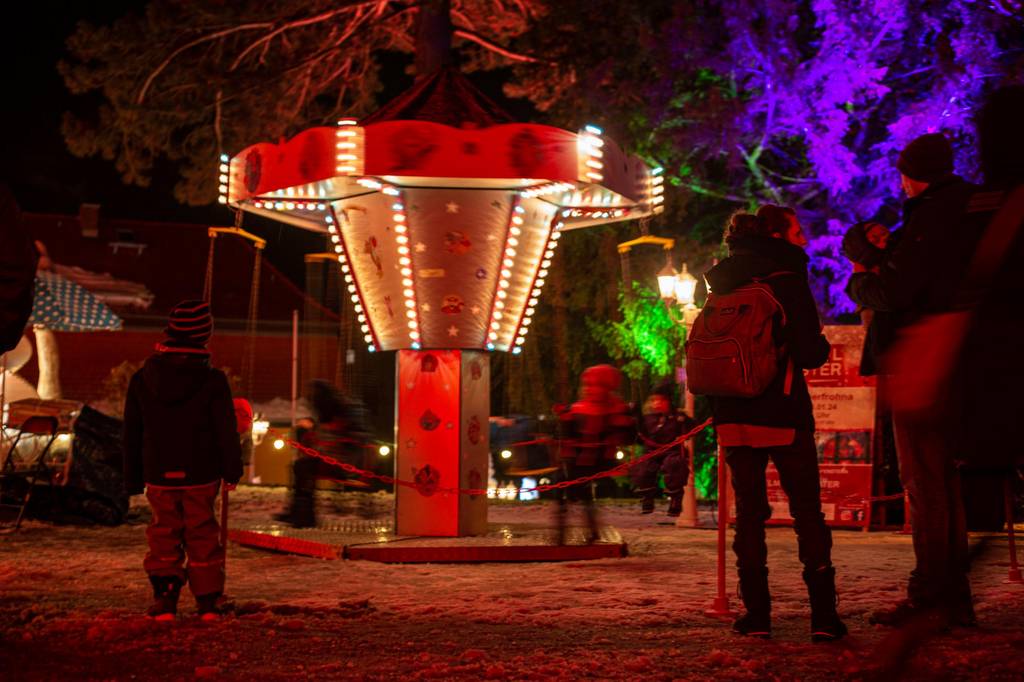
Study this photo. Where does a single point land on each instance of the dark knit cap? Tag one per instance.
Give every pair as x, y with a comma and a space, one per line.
189, 326
927, 158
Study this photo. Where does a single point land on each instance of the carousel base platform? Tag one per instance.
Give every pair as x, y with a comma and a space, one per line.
376, 541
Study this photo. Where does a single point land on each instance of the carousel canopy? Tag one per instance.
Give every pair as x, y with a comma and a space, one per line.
445, 224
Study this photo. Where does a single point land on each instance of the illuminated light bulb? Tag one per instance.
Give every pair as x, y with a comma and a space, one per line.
520, 341
411, 314
403, 250
371, 349
493, 336
409, 303
539, 283
546, 263
502, 294
279, 444
398, 218
595, 164
511, 253
506, 273
341, 259
520, 209
408, 293
412, 324
348, 279
346, 157
542, 273
523, 331
506, 454
397, 207
391, 191
535, 293
495, 326
345, 268
323, 207
335, 238
222, 199
223, 178
355, 299
406, 272
508, 262
512, 241
527, 321
329, 220
365, 328
384, 451
351, 288
590, 128
359, 307
503, 283
368, 338
498, 314
278, 205
361, 318
400, 229
516, 220
490, 346
515, 231
532, 302
404, 261
517, 350
619, 454
530, 311
556, 236
223, 188
415, 345
406, 282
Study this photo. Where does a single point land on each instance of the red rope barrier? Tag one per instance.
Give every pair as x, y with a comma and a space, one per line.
427, 489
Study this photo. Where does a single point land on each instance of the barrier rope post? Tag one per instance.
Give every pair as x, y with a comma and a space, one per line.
1014, 576
720, 606
907, 529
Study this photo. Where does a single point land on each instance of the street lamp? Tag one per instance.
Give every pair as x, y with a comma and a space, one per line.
668, 280
685, 287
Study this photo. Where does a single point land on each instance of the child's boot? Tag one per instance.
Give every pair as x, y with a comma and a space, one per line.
675, 505
166, 589
209, 606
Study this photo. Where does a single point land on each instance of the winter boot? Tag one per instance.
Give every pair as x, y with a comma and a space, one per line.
821, 588
675, 505
301, 512
757, 621
210, 606
166, 589
647, 505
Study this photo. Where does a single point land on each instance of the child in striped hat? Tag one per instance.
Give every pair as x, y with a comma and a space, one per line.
180, 443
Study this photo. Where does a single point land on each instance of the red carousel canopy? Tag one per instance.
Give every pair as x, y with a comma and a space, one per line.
444, 234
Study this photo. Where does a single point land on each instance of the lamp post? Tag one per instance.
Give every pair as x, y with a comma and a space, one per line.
680, 288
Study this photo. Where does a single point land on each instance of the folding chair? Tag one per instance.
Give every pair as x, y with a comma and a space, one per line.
19, 474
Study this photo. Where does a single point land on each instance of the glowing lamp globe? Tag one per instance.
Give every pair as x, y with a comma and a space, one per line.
667, 277
685, 288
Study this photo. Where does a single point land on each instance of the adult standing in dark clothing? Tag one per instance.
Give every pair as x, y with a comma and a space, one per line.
991, 433
180, 442
778, 424
920, 277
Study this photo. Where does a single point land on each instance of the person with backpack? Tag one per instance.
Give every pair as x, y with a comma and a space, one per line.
758, 330
180, 444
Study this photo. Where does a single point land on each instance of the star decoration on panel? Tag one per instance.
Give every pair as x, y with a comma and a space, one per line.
420, 247
453, 330
451, 207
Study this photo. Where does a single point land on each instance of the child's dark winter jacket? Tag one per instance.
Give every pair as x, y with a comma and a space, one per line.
179, 424
785, 267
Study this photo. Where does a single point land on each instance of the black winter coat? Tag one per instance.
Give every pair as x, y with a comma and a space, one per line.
801, 337
179, 424
991, 371
921, 274
18, 259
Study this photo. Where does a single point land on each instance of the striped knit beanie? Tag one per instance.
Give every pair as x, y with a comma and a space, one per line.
189, 327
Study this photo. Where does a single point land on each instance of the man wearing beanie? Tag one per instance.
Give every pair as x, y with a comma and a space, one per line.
919, 277
180, 443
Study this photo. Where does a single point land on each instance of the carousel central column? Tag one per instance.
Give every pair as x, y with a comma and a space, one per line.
441, 437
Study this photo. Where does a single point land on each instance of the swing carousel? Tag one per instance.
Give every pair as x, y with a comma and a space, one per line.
445, 216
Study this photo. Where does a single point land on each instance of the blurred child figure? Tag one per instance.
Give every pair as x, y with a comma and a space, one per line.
180, 443
593, 430
337, 432
661, 424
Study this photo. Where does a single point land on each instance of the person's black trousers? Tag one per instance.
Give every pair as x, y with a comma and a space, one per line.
797, 465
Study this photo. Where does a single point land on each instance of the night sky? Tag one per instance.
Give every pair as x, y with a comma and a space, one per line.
47, 178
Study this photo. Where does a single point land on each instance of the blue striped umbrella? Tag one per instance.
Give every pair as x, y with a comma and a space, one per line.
63, 306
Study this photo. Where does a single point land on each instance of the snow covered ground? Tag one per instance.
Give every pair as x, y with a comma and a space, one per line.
71, 598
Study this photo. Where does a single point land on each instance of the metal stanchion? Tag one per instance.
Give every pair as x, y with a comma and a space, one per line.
907, 527
1014, 572
720, 607
689, 518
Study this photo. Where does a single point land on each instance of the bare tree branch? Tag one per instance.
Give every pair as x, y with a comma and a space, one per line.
475, 37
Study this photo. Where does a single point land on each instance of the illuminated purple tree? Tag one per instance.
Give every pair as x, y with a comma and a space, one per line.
808, 103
